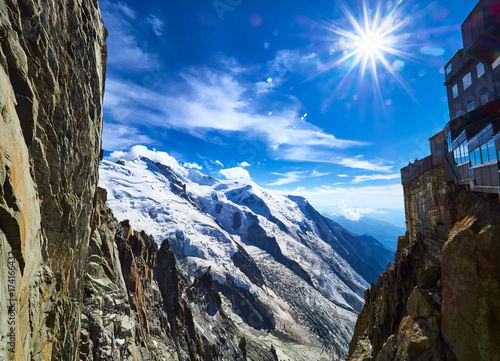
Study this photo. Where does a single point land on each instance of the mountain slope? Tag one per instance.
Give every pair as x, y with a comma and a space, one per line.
384, 232
278, 264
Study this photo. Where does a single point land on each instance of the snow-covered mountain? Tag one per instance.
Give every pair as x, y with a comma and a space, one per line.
279, 265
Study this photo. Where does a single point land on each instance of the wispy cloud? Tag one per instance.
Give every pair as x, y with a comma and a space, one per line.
157, 25
305, 153
235, 173
121, 136
125, 51
208, 100
244, 164
217, 162
291, 177
366, 178
359, 163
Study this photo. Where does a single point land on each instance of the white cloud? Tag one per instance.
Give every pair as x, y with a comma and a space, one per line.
291, 177
119, 136
355, 214
320, 155
140, 150
218, 101
156, 24
235, 173
292, 61
286, 178
124, 51
342, 175
366, 178
192, 165
244, 164
358, 163
217, 162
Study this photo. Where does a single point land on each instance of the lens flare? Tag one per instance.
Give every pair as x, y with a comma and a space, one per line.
375, 37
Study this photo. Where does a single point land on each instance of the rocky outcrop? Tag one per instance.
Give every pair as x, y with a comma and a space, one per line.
440, 298
52, 66
138, 306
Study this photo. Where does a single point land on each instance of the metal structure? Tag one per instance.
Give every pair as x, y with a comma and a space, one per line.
469, 146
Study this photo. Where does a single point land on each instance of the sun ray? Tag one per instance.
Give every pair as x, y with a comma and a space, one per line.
373, 38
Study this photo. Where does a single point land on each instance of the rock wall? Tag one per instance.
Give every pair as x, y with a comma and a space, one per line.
137, 306
52, 70
440, 298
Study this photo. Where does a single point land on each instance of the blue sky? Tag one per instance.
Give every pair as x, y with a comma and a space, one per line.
240, 88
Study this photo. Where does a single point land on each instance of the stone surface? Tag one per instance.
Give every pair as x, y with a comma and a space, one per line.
138, 306
440, 299
52, 66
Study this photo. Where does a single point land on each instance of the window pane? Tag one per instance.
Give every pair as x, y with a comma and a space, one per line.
485, 98
473, 159
480, 70
448, 137
467, 80
448, 69
496, 63
465, 154
492, 150
455, 91
484, 153
457, 156
478, 156
471, 106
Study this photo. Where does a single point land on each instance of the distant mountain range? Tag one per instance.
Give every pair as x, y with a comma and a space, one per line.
384, 232
278, 264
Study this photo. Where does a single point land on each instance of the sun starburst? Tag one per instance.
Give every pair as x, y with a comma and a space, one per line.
373, 39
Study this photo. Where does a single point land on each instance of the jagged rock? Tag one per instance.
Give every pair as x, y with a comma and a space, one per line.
440, 299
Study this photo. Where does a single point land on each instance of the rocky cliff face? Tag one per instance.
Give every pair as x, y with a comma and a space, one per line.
52, 66
440, 299
137, 306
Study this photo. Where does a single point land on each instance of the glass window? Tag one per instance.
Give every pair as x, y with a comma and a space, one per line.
467, 81
471, 106
465, 152
456, 153
448, 69
448, 138
496, 63
480, 69
473, 159
492, 152
477, 155
455, 91
485, 98
484, 153
459, 113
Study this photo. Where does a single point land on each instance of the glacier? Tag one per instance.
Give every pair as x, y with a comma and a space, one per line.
282, 269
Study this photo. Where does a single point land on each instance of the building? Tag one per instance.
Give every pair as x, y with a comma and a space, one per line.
468, 147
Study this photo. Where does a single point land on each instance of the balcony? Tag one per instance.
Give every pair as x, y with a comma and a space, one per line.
481, 31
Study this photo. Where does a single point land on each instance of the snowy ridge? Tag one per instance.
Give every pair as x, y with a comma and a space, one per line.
278, 264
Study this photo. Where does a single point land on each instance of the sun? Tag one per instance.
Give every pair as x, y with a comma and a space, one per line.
370, 44
374, 42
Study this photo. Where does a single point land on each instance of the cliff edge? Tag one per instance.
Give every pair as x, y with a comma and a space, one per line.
440, 299
52, 70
